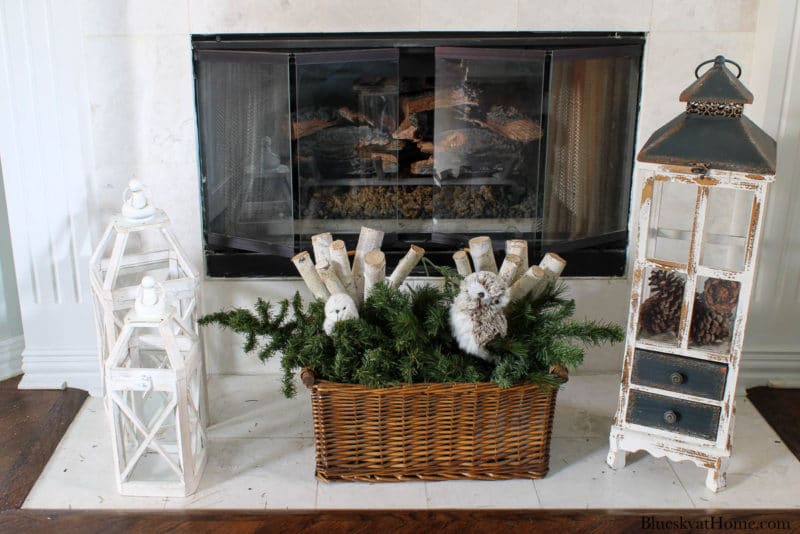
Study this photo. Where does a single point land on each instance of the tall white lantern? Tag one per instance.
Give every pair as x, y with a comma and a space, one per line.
137, 242
154, 391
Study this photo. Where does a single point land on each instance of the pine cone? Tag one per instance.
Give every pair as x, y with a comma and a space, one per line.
709, 326
661, 312
721, 296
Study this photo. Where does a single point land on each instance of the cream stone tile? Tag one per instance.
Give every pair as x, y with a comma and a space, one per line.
141, 95
363, 495
80, 473
253, 16
369, 15
586, 406
762, 470
705, 15
134, 17
579, 15
580, 478
468, 15
255, 407
261, 474
475, 494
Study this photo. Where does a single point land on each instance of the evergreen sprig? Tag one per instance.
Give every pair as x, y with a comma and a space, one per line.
405, 337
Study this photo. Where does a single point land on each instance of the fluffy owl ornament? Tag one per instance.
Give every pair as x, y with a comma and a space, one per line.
476, 316
338, 307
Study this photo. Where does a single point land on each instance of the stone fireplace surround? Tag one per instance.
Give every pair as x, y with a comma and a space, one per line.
115, 100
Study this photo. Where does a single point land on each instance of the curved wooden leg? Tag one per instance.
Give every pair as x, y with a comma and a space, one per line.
616, 458
716, 477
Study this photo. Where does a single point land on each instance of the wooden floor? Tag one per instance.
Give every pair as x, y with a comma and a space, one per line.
33, 422
781, 409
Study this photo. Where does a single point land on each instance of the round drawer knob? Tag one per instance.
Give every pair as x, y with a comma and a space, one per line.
676, 378
670, 417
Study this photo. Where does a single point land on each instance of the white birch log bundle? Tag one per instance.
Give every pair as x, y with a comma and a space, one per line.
321, 244
406, 265
553, 265
461, 259
329, 278
531, 280
374, 270
305, 267
368, 240
341, 266
518, 247
510, 267
480, 248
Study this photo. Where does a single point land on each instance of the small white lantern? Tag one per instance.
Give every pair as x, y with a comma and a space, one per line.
154, 391
137, 242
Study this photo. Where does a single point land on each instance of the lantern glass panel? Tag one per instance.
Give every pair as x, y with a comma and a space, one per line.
726, 228
150, 412
662, 300
714, 314
671, 220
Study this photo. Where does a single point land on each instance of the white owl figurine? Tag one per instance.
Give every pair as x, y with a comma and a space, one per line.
338, 308
476, 316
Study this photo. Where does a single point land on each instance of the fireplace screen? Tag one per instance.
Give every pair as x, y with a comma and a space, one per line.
432, 144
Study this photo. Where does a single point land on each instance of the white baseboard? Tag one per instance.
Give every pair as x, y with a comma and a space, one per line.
769, 368
58, 369
11, 356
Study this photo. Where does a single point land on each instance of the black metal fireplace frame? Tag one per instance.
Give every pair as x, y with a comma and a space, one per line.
603, 255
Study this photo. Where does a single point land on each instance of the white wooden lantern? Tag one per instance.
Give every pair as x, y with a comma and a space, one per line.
154, 392
704, 181
137, 242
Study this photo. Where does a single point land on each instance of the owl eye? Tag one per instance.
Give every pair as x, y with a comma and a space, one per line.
481, 295
495, 301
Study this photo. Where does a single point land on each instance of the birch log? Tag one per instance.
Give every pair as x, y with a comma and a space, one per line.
461, 259
328, 275
374, 270
368, 240
510, 268
321, 244
553, 265
341, 266
531, 280
305, 267
518, 247
406, 265
480, 248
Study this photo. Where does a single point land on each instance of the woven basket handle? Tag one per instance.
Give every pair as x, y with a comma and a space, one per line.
308, 377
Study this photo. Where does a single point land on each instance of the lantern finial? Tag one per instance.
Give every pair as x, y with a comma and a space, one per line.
151, 302
136, 203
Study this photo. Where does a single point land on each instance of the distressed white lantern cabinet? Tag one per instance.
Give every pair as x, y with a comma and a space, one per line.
154, 391
704, 181
137, 242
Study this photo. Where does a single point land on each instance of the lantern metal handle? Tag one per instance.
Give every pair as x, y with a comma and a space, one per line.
719, 60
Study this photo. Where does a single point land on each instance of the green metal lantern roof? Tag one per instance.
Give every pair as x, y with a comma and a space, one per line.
712, 132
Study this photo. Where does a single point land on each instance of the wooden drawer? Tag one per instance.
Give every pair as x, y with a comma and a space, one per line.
674, 415
681, 375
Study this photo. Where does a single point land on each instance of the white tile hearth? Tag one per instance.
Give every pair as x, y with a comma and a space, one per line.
262, 457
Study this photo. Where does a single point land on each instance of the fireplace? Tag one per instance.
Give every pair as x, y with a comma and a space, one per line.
433, 138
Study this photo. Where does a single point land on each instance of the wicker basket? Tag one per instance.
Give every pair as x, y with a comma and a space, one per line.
451, 431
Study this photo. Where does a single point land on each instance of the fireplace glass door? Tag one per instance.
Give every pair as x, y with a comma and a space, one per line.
347, 162
246, 150
433, 140
487, 130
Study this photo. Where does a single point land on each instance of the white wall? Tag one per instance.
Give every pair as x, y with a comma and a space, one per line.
136, 116
11, 340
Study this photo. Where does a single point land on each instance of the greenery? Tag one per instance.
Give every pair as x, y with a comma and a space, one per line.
404, 337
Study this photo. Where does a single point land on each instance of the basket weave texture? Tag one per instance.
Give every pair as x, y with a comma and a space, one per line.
475, 431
